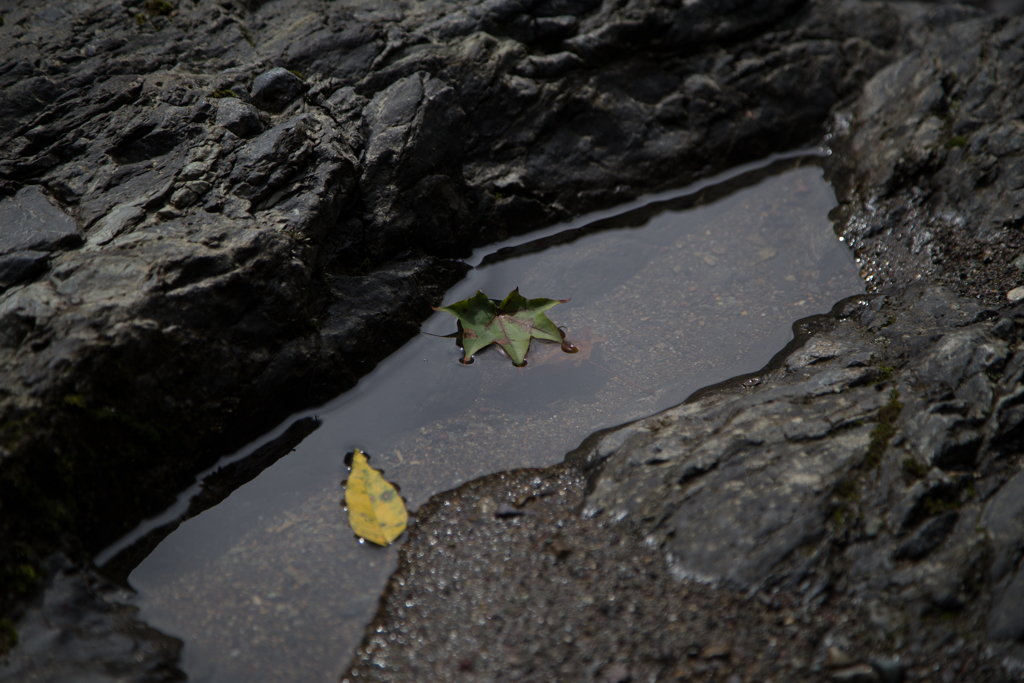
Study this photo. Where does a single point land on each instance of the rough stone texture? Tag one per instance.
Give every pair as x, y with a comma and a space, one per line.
30, 221
933, 154
82, 631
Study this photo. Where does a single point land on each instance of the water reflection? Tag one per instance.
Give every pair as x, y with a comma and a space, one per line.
271, 583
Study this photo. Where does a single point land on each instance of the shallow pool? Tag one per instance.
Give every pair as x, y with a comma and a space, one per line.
669, 294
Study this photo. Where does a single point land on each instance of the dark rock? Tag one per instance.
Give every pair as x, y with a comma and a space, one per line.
927, 537
82, 628
30, 221
1004, 520
411, 175
240, 118
20, 266
548, 66
275, 89
950, 160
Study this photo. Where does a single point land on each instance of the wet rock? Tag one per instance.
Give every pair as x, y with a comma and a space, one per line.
240, 118
30, 221
274, 90
504, 511
82, 628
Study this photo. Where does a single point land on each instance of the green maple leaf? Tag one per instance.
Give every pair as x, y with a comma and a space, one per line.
511, 324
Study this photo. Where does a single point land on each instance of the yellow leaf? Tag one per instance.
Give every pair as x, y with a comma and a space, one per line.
375, 510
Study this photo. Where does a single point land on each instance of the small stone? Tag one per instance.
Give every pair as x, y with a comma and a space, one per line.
200, 187
715, 651
889, 670
710, 260
273, 90
836, 658
859, 673
240, 118
617, 673
183, 197
766, 253
1018, 262
1016, 294
504, 510
872, 527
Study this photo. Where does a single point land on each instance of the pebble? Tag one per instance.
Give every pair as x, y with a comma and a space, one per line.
859, 673
617, 673
715, 651
889, 670
273, 90
505, 510
836, 658
1016, 294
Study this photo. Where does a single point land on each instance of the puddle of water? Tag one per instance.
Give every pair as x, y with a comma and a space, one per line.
666, 298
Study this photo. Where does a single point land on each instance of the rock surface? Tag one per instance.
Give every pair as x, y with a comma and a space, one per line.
933, 152
203, 241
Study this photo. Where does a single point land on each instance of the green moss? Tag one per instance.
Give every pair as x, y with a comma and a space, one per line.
224, 92
158, 7
883, 431
937, 505
1, 20
914, 469
140, 19
8, 636
839, 515
884, 374
298, 74
848, 490
76, 400
19, 580
956, 141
